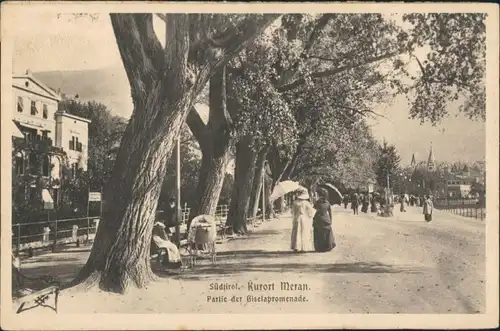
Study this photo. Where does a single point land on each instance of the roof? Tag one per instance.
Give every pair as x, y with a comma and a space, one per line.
50, 93
75, 117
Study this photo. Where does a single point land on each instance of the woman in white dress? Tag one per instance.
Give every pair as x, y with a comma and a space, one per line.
302, 212
160, 240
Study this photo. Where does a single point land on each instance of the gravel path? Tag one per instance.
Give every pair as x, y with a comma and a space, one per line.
380, 265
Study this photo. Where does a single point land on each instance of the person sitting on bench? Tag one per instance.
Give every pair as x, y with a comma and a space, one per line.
160, 240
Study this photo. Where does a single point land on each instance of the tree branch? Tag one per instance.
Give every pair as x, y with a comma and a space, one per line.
335, 71
219, 116
152, 45
176, 58
197, 126
321, 23
136, 43
249, 29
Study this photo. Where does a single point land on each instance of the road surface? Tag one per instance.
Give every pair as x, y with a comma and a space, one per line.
380, 265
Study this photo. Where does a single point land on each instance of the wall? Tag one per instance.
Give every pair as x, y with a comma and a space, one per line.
37, 120
68, 127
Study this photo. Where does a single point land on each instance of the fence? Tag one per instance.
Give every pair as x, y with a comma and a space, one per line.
53, 233
463, 207
26, 236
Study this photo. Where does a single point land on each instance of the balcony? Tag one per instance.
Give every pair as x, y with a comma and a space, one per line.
38, 144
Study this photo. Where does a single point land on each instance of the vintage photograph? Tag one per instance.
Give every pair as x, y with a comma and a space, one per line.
238, 162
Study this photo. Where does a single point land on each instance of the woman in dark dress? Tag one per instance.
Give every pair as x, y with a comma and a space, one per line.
373, 202
322, 223
365, 203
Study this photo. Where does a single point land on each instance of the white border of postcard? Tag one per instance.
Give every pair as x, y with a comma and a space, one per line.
256, 321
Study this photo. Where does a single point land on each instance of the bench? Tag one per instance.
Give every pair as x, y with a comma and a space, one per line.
27, 295
222, 228
158, 254
39, 298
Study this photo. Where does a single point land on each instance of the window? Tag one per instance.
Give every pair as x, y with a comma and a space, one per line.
45, 112
45, 135
75, 145
20, 104
33, 161
78, 145
34, 110
46, 166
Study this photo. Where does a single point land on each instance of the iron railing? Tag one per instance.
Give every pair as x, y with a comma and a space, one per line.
53, 233
462, 207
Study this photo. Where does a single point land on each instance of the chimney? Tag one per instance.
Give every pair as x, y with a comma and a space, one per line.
28, 72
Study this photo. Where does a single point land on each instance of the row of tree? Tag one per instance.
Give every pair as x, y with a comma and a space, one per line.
290, 100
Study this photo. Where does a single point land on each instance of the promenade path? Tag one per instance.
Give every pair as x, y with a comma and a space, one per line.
380, 265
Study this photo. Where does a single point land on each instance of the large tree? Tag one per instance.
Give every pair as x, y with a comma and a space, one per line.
215, 143
164, 84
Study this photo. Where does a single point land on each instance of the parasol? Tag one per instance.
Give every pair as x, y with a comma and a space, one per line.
283, 188
334, 195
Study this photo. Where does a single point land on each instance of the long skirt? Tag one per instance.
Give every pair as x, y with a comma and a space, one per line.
324, 240
301, 239
173, 257
428, 217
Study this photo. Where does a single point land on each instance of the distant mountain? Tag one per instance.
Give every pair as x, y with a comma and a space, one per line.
108, 86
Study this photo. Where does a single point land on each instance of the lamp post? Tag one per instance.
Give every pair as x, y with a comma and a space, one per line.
178, 207
264, 191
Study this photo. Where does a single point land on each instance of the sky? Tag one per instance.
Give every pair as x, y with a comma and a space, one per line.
84, 44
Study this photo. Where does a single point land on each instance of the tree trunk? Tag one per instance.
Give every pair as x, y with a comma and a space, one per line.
164, 84
257, 182
269, 204
120, 255
255, 200
210, 181
242, 188
215, 142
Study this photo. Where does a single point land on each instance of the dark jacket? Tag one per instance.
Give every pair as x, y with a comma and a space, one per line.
323, 216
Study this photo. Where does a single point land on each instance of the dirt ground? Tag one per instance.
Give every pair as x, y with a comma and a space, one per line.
380, 265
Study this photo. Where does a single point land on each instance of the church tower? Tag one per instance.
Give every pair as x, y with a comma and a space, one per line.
413, 162
431, 166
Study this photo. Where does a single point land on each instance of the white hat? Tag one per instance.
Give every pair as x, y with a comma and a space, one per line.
303, 195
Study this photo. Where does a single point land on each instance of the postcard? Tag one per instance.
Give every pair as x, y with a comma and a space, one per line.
249, 165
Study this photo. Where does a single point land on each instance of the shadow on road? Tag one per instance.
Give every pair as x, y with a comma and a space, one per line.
203, 272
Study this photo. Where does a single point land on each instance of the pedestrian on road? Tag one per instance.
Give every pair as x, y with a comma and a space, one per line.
355, 203
365, 203
373, 202
428, 207
324, 241
403, 201
346, 200
303, 212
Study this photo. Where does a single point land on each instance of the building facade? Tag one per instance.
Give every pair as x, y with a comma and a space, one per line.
44, 138
446, 182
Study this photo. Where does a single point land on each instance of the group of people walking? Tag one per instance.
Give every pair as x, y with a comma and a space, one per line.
312, 225
368, 201
425, 202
